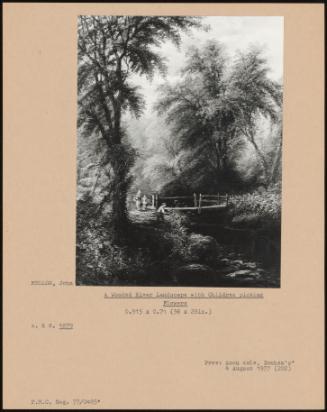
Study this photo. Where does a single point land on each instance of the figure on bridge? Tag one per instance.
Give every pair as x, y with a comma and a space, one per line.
144, 202
137, 200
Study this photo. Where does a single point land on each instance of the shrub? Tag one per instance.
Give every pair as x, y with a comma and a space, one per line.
256, 208
97, 257
176, 233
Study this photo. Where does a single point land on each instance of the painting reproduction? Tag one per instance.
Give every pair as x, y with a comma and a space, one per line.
179, 151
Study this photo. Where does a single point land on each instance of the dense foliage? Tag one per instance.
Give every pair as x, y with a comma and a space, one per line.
256, 209
110, 50
215, 110
218, 128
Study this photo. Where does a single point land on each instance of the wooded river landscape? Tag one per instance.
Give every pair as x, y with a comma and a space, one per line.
179, 151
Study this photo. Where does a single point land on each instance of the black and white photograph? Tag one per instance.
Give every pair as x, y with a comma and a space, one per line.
179, 151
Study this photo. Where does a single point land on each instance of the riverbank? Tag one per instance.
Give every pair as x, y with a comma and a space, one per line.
175, 253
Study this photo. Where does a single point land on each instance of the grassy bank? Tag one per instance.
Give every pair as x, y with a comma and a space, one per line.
154, 248
256, 210
159, 253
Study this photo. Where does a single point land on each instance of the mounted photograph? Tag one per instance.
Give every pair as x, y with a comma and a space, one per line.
179, 151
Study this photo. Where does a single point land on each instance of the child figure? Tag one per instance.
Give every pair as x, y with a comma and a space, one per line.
137, 199
161, 213
144, 202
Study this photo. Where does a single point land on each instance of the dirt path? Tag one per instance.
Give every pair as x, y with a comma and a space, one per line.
144, 217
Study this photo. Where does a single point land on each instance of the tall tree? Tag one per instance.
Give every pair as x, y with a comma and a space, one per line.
218, 102
198, 110
276, 162
253, 93
110, 50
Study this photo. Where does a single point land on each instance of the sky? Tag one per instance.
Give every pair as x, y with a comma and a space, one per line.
236, 32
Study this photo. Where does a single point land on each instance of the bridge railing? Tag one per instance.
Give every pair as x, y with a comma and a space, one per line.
196, 200
217, 199
156, 197
199, 200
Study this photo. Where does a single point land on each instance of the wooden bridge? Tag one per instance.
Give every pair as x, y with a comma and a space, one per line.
200, 202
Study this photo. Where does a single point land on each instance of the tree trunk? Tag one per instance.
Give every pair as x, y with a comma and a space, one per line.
261, 157
221, 157
119, 187
119, 220
276, 163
